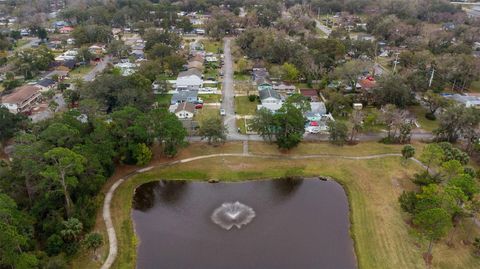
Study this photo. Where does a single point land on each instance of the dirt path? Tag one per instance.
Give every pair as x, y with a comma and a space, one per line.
112, 237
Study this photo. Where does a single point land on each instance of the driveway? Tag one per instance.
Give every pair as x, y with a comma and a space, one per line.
98, 69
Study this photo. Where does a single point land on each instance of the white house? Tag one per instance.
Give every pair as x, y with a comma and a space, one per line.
189, 80
270, 99
185, 110
21, 99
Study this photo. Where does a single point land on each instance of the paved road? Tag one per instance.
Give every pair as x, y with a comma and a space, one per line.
98, 69
228, 98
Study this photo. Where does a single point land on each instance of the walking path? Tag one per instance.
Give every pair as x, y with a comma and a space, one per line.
112, 237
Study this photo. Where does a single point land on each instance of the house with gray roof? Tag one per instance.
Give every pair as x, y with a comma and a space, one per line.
191, 79
184, 96
270, 99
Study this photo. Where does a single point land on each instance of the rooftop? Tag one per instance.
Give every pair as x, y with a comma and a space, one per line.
20, 94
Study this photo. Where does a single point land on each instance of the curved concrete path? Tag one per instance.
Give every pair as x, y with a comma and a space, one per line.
112, 236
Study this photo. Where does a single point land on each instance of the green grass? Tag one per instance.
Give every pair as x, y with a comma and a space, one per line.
241, 125
210, 98
212, 45
211, 73
425, 124
80, 71
164, 100
243, 106
475, 87
241, 77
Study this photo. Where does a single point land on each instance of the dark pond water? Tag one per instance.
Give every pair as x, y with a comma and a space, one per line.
298, 224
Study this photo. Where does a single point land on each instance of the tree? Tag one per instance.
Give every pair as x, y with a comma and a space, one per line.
169, 130
93, 241
351, 71
142, 154
16, 231
289, 125
290, 72
9, 123
432, 155
263, 123
64, 165
391, 89
84, 55
433, 223
299, 101
452, 169
72, 229
213, 130
457, 120
408, 151
356, 120
434, 102
338, 132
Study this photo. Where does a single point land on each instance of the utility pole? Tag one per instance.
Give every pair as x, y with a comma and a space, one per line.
431, 77
396, 61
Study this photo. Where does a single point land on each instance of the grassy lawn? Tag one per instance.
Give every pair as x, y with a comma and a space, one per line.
210, 98
243, 106
212, 45
425, 124
80, 71
382, 238
163, 100
242, 77
475, 87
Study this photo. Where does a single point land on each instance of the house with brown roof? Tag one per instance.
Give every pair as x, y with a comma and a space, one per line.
21, 99
185, 110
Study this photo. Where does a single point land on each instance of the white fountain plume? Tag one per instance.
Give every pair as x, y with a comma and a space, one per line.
232, 214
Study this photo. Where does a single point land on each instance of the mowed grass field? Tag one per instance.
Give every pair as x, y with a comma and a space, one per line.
382, 237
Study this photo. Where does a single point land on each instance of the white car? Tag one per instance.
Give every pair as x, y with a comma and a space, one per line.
222, 112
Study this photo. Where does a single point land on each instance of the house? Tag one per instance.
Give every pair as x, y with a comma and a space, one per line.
46, 84
259, 74
264, 85
185, 110
466, 100
448, 26
283, 87
138, 54
189, 80
317, 111
311, 94
184, 96
97, 49
126, 68
365, 37
195, 64
367, 84
21, 99
66, 30
270, 99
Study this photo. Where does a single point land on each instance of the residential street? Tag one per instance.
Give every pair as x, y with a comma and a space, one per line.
98, 68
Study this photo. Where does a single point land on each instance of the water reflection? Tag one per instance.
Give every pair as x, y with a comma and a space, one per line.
286, 186
167, 191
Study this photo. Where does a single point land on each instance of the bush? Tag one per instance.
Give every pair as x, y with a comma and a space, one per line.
425, 179
430, 116
408, 201
252, 98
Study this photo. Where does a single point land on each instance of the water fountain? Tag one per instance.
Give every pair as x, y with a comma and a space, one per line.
232, 214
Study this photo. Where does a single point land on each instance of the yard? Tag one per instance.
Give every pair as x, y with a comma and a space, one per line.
163, 100
80, 71
243, 106
475, 87
425, 124
210, 98
212, 46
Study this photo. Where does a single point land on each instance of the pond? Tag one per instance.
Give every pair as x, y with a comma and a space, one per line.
282, 223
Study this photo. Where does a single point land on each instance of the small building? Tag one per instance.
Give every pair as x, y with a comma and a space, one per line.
22, 99
259, 74
189, 80
270, 99
264, 85
46, 84
185, 110
466, 100
448, 26
311, 94
66, 30
184, 96
283, 87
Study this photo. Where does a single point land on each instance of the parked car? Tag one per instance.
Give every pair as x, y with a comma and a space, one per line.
198, 106
222, 112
